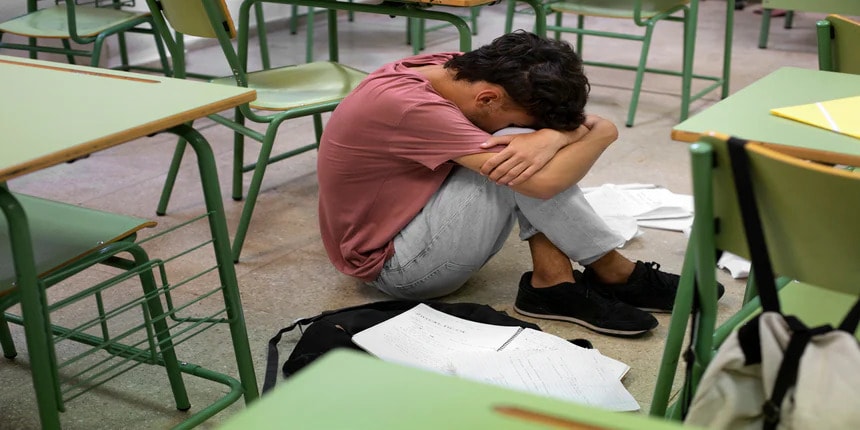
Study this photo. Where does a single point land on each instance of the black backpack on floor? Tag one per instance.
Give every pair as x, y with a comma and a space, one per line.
335, 328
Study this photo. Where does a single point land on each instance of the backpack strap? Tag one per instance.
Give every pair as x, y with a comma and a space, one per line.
760, 257
786, 377
272, 356
271, 377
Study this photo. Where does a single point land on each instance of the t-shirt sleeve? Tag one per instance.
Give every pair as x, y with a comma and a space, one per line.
435, 132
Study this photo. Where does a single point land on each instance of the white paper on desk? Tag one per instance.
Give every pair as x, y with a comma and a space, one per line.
550, 374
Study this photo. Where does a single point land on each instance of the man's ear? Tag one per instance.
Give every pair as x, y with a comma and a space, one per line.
489, 97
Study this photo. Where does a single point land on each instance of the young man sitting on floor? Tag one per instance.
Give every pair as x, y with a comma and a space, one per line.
416, 195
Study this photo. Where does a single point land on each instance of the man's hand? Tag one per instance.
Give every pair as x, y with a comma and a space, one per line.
525, 154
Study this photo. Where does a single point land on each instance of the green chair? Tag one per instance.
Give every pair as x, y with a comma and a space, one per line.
282, 93
816, 267
838, 37
645, 14
765, 25
85, 25
120, 324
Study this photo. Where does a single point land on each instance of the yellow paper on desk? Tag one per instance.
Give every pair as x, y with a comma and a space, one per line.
839, 115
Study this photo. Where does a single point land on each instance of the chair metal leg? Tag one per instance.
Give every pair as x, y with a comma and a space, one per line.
265, 158
765, 28
254, 188
162, 332
238, 157
294, 19
640, 74
333, 45
170, 181
675, 337
162, 52
6, 341
66, 45
727, 48
690, 23
262, 36
509, 15
309, 39
123, 51
789, 19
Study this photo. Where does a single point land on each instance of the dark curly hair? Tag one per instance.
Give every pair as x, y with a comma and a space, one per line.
543, 76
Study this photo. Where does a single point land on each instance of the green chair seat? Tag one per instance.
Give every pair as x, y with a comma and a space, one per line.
614, 8
51, 22
62, 233
300, 85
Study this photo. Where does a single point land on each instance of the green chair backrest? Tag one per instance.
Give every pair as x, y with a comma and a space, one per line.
190, 17
201, 18
808, 207
838, 38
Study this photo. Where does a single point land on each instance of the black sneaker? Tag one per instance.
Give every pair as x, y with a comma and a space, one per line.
577, 303
648, 288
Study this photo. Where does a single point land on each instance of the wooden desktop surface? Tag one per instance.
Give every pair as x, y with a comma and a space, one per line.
746, 113
54, 112
351, 390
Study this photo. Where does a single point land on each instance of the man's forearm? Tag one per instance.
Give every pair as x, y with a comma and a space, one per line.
571, 163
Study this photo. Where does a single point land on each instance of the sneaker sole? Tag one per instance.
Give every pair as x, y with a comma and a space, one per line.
585, 324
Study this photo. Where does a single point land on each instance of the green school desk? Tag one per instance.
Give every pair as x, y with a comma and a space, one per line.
52, 113
407, 8
746, 113
350, 390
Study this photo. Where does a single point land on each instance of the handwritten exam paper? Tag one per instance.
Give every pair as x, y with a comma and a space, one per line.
513, 357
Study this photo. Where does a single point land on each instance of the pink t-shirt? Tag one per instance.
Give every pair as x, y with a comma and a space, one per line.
385, 150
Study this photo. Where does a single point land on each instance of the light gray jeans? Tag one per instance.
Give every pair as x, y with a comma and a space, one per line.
468, 220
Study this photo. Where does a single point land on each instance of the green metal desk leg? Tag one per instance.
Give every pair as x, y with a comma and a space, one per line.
33, 313
539, 11
223, 256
